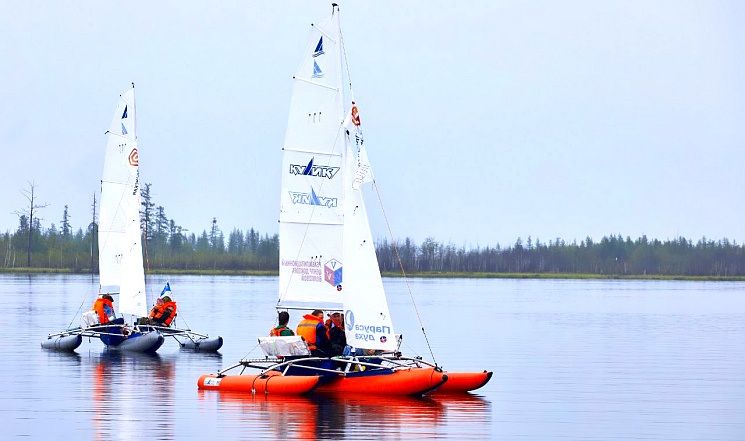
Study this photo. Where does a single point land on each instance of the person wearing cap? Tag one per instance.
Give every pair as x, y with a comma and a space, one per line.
337, 337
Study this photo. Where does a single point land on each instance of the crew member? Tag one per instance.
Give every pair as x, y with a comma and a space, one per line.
104, 307
315, 333
337, 337
164, 312
282, 330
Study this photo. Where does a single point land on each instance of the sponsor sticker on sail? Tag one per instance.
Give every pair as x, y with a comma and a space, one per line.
362, 169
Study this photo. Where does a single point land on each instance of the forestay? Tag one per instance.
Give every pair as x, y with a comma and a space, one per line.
120, 250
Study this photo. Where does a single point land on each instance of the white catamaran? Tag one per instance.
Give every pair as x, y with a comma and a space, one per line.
327, 255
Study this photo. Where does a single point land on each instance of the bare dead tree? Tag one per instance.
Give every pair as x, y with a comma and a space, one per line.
93, 227
30, 195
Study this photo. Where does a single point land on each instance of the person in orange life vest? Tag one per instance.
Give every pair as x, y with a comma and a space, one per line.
104, 307
282, 330
163, 312
315, 333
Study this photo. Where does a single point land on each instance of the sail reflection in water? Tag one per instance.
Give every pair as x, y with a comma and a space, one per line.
353, 417
132, 396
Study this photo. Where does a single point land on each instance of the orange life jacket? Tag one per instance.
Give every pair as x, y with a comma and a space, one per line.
159, 310
277, 332
98, 307
307, 329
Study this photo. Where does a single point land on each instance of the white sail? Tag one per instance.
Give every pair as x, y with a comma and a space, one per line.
312, 198
119, 247
327, 256
366, 316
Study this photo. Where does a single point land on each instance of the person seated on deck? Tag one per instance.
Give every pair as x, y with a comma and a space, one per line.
282, 330
163, 312
337, 337
315, 333
104, 307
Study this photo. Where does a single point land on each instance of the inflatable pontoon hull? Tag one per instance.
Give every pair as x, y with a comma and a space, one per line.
460, 382
203, 345
271, 382
63, 343
414, 381
147, 343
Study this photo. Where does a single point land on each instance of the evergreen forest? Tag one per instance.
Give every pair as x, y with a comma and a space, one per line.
167, 246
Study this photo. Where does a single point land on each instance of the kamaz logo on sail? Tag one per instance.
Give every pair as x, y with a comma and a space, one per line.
312, 199
319, 171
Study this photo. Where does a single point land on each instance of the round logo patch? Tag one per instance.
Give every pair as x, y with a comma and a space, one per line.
349, 319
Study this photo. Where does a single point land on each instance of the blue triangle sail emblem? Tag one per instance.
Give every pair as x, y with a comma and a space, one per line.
319, 48
124, 115
317, 73
308, 168
313, 198
124, 130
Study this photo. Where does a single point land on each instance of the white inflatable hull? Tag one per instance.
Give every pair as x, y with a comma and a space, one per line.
204, 345
63, 343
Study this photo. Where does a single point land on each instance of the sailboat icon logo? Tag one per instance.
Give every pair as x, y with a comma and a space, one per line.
319, 48
317, 72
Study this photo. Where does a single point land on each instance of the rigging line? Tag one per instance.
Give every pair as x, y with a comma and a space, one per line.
346, 61
85, 297
249, 352
313, 210
400, 263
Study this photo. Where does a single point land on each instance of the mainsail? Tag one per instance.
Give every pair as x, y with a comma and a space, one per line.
327, 256
312, 201
119, 247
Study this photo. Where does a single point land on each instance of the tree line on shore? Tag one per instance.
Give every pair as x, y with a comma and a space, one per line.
168, 246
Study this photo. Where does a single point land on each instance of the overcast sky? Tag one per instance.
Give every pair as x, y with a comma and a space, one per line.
484, 121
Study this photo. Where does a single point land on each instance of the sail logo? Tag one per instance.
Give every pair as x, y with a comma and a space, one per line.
134, 158
319, 171
124, 130
355, 115
319, 48
349, 319
124, 115
312, 199
317, 72
332, 273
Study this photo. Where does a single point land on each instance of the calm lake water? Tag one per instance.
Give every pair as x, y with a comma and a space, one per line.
571, 360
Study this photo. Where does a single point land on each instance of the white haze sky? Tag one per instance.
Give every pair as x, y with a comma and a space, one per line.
485, 121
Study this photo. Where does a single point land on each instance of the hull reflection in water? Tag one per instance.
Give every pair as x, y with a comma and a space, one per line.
132, 395
336, 416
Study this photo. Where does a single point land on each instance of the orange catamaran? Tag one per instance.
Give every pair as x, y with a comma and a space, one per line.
327, 255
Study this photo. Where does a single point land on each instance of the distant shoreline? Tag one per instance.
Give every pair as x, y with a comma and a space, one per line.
420, 275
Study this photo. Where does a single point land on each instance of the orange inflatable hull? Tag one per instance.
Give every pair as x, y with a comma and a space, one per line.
464, 381
272, 382
416, 381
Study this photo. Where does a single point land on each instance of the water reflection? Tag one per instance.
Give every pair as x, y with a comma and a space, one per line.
361, 416
132, 395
